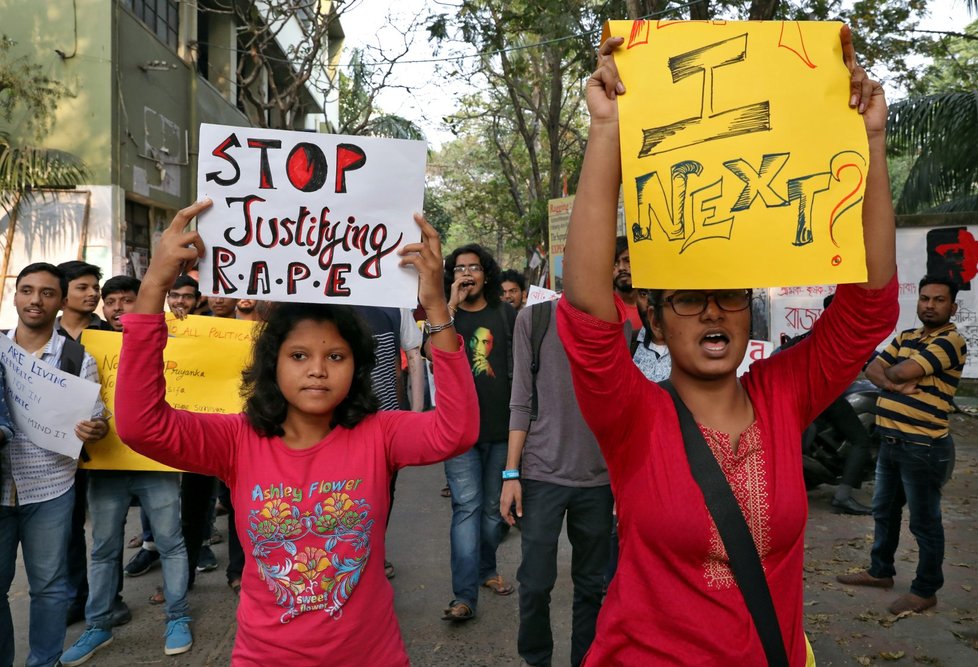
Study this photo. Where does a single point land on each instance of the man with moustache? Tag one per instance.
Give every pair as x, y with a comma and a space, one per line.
918, 374
621, 278
37, 486
475, 477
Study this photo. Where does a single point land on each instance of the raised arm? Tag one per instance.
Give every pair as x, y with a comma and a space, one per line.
590, 249
879, 231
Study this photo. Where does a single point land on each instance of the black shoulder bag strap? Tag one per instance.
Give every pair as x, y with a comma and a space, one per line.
745, 563
539, 322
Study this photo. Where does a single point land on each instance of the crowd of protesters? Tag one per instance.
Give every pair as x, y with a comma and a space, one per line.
540, 414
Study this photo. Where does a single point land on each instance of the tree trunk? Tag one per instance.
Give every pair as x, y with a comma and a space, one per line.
763, 10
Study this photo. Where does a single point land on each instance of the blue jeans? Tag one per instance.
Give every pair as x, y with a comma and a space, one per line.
476, 480
108, 501
911, 474
42, 530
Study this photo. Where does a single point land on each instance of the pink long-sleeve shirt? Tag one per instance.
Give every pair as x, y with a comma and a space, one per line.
311, 521
674, 600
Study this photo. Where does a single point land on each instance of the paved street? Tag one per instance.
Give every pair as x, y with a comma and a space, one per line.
847, 626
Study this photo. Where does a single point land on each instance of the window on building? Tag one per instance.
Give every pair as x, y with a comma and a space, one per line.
137, 238
162, 17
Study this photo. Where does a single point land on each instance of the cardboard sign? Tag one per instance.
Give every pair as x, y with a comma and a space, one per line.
536, 294
46, 403
216, 328
756, 350
308, 217
203, 374
742, 163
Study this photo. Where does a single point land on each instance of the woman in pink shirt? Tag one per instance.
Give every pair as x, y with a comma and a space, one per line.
674, 599
308, 462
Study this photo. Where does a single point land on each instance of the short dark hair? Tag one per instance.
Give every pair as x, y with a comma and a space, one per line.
266, 407
952, 285
183, 280
621, 245
75, 269
492, 289
513, 276
44, 267
117, 284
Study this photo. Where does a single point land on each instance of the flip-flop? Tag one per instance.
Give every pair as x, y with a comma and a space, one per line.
388, 569
158, 597
498, 586
458, 611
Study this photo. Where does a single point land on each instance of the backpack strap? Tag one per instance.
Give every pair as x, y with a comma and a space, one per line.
539, 323
72, 356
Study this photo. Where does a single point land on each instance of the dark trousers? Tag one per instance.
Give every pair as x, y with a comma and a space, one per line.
235, 552
912, 475
843, 417
588, 511
196, 492
77, 548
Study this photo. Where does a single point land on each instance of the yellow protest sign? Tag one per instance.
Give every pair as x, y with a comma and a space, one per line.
215, 328
742, 163
202, 374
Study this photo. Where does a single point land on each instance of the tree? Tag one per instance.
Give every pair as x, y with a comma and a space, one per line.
25, 91
938, 130
360, 84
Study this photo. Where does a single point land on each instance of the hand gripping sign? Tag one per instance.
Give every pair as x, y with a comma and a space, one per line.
309, 217
742, 163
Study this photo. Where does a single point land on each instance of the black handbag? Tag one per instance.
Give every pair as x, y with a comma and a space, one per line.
745, 562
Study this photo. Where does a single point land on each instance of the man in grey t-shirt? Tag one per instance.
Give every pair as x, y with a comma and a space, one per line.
553, 467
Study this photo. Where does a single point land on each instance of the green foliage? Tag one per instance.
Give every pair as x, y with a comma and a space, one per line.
937, 131
25, 88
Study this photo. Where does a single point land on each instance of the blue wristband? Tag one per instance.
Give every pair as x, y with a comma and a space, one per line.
511, 474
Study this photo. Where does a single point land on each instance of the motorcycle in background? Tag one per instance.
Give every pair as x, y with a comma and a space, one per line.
824, 448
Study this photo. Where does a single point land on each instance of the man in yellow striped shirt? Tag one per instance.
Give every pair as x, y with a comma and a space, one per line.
918, 373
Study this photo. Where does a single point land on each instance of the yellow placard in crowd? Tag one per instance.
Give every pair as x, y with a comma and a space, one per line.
214, 328
202, 374
742, 163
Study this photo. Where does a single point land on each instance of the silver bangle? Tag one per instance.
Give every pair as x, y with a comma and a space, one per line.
430, 328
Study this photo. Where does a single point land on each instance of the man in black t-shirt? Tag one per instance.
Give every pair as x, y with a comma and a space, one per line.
475, 477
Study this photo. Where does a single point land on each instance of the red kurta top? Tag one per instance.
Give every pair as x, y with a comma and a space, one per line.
311, 521
673, 599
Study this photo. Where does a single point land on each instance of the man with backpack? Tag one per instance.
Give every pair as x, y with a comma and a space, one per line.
37, 486
553, 468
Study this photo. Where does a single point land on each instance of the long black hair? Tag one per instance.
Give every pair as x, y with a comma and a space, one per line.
266, 407
492, 288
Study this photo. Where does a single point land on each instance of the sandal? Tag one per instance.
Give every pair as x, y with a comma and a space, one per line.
135, 542
446, 491
158, 597
388, 569
458, 611
498, 586
235, 586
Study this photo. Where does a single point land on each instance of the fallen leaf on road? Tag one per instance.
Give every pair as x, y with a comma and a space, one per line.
892, 655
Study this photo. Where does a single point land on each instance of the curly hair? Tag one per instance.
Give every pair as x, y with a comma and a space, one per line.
492, 289
266, 407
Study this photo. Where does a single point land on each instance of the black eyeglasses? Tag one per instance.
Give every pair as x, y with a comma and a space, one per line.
688, 303
470, 268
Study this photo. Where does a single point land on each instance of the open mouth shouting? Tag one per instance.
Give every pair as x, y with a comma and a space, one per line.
715, 342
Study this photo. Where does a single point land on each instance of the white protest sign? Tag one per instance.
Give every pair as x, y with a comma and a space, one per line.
756, 350
538, 294
308, 217
45, 402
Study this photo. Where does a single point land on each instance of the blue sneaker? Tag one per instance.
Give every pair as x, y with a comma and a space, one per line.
91, 640
178, 637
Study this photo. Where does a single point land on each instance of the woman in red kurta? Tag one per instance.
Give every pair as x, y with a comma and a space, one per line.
673, 599
308, 463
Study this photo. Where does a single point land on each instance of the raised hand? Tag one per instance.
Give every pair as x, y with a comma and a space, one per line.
604, 86
177, 251
865, 94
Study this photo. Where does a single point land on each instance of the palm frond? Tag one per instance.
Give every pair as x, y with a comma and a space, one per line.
27, 168
941, 130
394, 127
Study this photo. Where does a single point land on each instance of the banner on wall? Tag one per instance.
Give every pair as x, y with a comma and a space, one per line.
754, 172
202, 373
951, 252
308, 217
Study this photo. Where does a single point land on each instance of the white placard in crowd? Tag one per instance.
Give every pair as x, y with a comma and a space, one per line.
45, 402
536, 294
756, 350
309, 217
